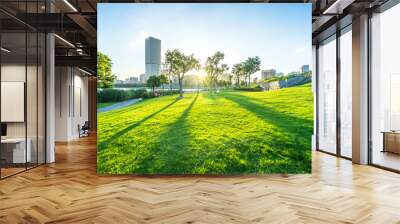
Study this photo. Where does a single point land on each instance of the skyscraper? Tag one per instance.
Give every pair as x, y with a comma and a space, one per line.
152, 56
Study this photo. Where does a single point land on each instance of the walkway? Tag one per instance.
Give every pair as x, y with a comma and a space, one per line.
119, 105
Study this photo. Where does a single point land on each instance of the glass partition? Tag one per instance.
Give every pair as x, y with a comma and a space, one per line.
41, 97
32, 98
327, 96
385, 89
13, 92
346, 93
22, 100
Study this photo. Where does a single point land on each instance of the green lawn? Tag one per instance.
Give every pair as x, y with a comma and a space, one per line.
229, 132
101, 105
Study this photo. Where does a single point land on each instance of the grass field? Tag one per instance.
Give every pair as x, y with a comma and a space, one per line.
228, 132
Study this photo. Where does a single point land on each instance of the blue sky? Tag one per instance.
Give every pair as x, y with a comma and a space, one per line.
280, 34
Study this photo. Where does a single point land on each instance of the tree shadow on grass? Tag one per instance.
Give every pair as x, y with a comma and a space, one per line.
172, 154
104, 144
298, 131
283, 148
288, 123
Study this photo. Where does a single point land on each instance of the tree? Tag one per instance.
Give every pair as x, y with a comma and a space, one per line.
230, 77
251, 66
153, 82
239, 71
255, 80
184, 63
163, 80
214, 68
197, 68
104, 74
170, 65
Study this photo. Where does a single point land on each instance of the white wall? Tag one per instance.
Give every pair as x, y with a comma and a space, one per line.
16, 73
80, 109
33, 126
13, 101
62, 83
71, 87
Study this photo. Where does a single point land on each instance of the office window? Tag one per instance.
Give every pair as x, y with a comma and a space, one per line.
327, 96
385, 89
346, 93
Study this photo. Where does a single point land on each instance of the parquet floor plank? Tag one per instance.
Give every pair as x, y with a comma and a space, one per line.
70, 191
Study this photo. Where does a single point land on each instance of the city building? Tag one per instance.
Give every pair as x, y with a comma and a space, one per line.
152, 56
267, 74
305, 68
142, 78
118, 81
132, 80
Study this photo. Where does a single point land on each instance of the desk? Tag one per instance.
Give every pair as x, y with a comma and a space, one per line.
17, 153
391, 141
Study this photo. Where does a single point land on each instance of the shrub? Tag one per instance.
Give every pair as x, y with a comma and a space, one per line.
289, 76
168, 92
250, 89
117, 95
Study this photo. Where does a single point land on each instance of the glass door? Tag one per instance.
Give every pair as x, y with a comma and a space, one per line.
346, 92
327, 96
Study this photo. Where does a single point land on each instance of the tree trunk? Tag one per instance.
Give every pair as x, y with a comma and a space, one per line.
170, 84
249, 81
198, 84
180, 89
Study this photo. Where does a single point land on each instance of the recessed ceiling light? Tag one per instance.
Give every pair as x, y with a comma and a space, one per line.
338, 6
86, 72
70, 5
5, 50
64, 40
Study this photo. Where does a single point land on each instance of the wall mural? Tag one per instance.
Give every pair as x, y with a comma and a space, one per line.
204, 89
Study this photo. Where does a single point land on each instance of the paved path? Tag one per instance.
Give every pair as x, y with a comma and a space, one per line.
119, 105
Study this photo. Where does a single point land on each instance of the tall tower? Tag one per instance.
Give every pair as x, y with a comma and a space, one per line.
152, 56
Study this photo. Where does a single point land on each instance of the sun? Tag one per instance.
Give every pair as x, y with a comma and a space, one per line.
202, 73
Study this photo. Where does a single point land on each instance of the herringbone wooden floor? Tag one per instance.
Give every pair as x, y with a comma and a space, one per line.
69, 191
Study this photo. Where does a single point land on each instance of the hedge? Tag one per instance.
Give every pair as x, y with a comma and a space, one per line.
250, 89
117, 95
